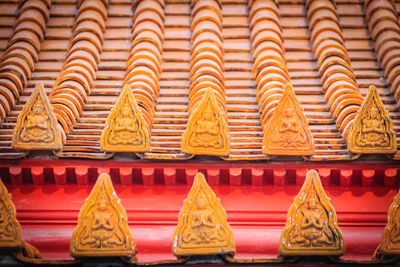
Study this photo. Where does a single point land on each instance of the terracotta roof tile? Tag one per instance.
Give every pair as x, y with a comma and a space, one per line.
164, 56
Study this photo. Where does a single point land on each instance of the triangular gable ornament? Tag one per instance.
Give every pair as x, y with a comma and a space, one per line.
37, 127
207, 131
202, 224
10, 229
311, 226
287, 132
372, 130
390, 242
102, 228
125, 129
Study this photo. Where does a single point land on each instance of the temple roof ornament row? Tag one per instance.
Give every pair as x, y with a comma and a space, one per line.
102, 230
287, 132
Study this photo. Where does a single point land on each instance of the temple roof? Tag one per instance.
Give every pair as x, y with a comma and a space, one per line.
57, 38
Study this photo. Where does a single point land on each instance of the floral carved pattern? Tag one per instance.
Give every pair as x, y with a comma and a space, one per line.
102, 225
287, 133
311, 227
207, 132
36, 127
372, 131
125, 128
202, 228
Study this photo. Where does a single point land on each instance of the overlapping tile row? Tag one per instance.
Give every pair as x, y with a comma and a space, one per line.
384, 27
269, 69
75, 80
144, 63
171, 114
241, 105
207, 53
17, 62
337, 76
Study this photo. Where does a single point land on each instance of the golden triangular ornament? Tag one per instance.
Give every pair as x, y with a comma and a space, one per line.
202, 224
207, 131
10, 229
311, 226
390, 242
37, 127
102, 228
125, 129
372, 130
287, 132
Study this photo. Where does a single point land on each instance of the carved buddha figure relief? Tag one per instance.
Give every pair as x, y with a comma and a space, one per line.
125, 129
372, 130
102, 231
102, 224
287, 132
311, 227
10, 230
37, 124
390, 242
207, 132
202, 226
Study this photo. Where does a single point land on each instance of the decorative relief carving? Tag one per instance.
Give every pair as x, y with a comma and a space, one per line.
288, 132
102, 228
10, 230
390, 242
37, 125
125, 129
372, 131
311, 227
202, 228
207, 132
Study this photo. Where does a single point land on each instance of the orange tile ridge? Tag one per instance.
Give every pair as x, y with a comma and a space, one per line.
144, 62
202, 224
125, 129
383, 24
17, 63
11, 232
75, 80
269, 69
206, 59
207, 131
372, 131
311, 227
102, 228
37, 127
337, 76
287, 132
